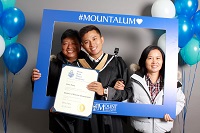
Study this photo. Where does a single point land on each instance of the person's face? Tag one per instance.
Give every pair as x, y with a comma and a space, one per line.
70, 48
92, 42
154, 61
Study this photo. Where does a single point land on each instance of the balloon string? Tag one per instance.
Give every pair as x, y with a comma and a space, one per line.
11, 88
191, 89
188, 94
184, 109
2, 112
1, 108
192, 83
5, 101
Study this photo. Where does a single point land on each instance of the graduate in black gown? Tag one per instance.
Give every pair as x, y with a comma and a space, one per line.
112, 69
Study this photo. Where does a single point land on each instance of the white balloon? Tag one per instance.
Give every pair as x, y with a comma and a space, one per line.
162, 42
163, 9
2, 45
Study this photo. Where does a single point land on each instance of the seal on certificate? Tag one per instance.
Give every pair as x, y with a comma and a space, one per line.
71, 74
81, 107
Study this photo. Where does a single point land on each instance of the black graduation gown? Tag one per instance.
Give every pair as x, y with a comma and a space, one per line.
116, 69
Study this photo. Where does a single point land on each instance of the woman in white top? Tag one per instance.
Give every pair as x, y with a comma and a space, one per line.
148, 88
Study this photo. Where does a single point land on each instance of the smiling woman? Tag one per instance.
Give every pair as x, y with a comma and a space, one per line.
154, 63
70, 49
148, 88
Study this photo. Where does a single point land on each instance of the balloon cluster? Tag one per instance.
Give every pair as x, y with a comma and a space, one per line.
12, 21
188, 26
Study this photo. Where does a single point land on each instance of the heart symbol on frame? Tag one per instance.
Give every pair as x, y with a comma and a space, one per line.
139, 21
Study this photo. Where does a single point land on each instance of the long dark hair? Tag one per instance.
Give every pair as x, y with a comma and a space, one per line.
144, 55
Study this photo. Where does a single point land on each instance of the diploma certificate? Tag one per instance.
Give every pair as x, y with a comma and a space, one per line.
72, 96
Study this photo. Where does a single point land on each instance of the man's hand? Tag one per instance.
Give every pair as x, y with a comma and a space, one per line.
119, 85
96, 87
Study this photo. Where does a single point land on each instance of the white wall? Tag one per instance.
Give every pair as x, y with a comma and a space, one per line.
23, 118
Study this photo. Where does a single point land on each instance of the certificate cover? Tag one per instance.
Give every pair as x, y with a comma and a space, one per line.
72, 95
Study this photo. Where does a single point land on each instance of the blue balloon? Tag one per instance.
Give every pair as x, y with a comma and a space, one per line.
186, 7
185, 30
190, 53
196, 20
15, 57
12, 21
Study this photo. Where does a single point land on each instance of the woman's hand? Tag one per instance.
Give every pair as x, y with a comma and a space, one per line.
167, 117
35, 74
